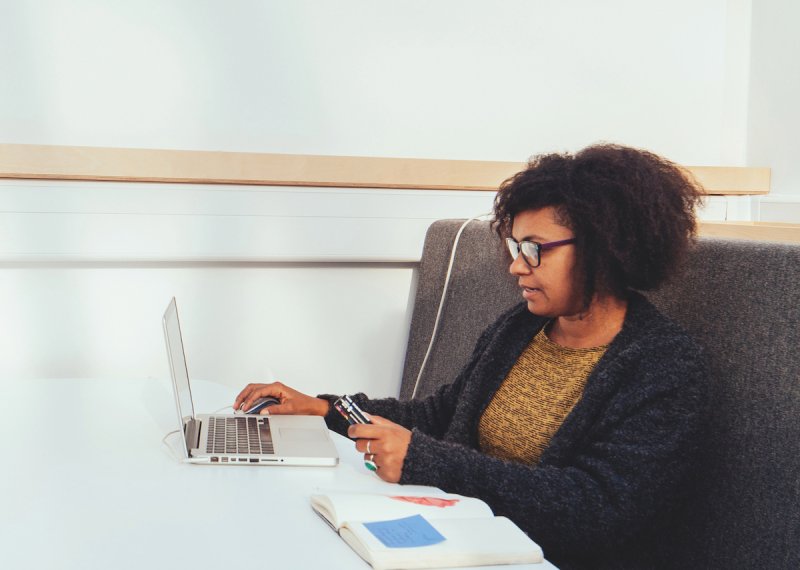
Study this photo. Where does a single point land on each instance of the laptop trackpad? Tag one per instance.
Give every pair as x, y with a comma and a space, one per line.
300, 435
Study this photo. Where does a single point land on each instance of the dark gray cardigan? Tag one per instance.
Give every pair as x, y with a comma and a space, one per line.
612, 471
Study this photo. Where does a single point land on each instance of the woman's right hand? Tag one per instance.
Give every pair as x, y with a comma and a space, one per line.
291, 401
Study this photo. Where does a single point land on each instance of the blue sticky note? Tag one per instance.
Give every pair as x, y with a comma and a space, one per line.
405, 533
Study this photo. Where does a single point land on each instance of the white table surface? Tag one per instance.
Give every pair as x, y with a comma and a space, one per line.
85, 482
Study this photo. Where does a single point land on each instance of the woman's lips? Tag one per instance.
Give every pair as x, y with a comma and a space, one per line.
529, 293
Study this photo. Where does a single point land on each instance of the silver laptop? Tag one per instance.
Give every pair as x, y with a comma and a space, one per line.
235, 439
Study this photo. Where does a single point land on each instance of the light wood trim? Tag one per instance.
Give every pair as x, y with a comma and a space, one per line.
730, 180
205, 167
761, 231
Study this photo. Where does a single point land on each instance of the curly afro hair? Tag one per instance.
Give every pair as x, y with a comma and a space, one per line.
632, 213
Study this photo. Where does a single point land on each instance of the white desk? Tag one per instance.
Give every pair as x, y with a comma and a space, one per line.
88, 484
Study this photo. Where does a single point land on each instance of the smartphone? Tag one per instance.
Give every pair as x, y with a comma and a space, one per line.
262, 403
354, 415
350, 411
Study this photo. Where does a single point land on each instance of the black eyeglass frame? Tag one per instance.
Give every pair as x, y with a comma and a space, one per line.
516, 248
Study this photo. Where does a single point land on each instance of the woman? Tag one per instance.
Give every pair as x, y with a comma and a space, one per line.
580, 410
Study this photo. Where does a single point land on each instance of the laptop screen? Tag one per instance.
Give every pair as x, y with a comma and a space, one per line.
177, 363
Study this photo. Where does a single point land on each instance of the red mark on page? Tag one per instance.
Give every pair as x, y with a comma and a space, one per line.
427, 501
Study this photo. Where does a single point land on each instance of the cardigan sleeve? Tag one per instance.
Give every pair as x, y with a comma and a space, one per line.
623, 472
430, 415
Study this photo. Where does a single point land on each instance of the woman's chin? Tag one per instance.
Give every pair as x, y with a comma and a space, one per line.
537, 308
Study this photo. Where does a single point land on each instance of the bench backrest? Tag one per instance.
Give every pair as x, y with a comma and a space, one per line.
741, 301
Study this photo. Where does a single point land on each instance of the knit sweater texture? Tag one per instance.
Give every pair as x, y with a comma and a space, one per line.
531, 403
614, 469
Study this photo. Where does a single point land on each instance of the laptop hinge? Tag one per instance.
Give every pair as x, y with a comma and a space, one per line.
192, 434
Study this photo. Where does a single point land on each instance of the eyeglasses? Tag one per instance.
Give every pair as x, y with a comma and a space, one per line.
532, 250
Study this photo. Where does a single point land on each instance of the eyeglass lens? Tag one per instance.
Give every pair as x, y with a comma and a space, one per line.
529, 250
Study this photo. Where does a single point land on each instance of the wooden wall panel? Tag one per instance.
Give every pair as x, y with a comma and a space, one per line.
204, 167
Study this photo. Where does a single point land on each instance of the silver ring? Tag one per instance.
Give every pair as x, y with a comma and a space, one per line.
368, 442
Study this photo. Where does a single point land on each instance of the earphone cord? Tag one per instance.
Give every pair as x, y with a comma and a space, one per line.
442, 298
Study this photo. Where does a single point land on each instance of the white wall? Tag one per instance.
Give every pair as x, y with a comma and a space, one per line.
774, 113
463, 79
306, 325
311, 285
86, 269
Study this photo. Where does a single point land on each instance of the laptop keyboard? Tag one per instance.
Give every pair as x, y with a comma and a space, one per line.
239, 435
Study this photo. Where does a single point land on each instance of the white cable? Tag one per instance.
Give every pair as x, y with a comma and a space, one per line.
171, 452
441, 300
164, 439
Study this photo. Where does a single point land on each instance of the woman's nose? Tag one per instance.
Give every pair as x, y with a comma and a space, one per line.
519, 266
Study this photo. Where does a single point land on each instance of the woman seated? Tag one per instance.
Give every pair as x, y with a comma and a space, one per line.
579, 412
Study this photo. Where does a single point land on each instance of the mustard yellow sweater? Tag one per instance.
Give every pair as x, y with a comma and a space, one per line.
536, 396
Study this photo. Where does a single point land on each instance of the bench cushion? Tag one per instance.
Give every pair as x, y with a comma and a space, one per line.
741, 301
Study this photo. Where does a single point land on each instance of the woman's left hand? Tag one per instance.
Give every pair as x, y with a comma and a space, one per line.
384, 443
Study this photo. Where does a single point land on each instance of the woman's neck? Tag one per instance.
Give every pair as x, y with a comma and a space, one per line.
595, 326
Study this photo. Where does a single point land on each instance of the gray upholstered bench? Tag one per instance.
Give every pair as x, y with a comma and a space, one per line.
741, 301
